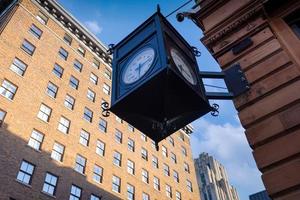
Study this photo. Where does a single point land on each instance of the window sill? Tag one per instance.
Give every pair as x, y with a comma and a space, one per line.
11, 100
79, 173
37, 150
57, 161
47, 122
49, 195
22, 183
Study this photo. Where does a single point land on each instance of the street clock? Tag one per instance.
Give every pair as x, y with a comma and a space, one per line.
156, 85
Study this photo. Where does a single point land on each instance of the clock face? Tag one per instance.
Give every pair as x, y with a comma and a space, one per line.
137, 67
183, 66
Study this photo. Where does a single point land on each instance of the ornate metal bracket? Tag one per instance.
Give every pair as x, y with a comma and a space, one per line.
110, 50
215, 110
105, 109
196, 52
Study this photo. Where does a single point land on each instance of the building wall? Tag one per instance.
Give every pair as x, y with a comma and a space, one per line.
21, 118
269, 111
212, 179
263, 195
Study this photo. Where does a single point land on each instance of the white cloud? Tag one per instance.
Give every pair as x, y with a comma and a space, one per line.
228, 144
93, 26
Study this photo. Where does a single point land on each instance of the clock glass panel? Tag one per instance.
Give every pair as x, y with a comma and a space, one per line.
183, 66
137, 67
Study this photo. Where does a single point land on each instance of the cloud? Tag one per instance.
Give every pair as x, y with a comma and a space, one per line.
227, 143
93, 26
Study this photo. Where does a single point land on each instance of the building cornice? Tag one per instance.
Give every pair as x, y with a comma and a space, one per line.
75, 27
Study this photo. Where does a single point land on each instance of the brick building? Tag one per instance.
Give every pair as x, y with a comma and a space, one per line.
262, 36
54, 142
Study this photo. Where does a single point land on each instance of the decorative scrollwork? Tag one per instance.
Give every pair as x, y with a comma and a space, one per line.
105, 109
196, 52
110, 50
215, 110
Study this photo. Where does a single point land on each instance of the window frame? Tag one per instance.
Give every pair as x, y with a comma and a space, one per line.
75, 195
18, 66
56, 72
44, 113
32, 142
35, 31
51, 90
100, 148
84, 138
63, 54
80, 167
97, 174
25, 172
50, 184
55, 151
26, 49
4, 90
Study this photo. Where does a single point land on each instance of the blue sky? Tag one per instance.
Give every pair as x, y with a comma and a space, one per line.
223, 137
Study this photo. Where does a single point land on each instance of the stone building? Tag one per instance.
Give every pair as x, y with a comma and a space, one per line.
54, 141
212, 179
262, 36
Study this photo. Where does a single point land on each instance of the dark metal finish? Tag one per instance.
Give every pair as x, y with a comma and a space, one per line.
243, 45
213, 75
235, 80
219, 95
110, 50
197, 53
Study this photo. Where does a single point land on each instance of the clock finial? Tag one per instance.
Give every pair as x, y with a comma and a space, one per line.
158, 8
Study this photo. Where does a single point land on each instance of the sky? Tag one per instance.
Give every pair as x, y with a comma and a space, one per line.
223, 136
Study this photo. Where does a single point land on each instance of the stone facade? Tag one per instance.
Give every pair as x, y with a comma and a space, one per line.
269, 111
19, 116
212, 179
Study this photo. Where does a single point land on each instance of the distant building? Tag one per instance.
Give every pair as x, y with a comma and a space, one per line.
262, 195
212, 179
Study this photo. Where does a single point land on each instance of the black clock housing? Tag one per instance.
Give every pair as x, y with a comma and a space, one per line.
162, 101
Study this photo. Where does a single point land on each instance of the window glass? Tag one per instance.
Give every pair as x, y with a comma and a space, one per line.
34, 30
18, 66
28, 47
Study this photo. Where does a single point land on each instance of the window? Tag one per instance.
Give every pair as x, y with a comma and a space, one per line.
74, 82
8, 89
98, 174
63, 53
118, 136
106, 89
81, 51
96, 63
293, 20
42, 18
18, 66
57, 152
176, 176
52, 90
100, 148
107, 73
80, 164
94, 197
84, 138
154, 161
36, 140
88, 114
145, 176
77, 65
58, 70
35, 31
130, 145
189, 186
25, 173
153, 144
144, 154
130, 128
91, 95
69, 102
130, 167
75, 193
186, 167
94, 78
168, 191
173, 158
64, 125
2, 116
67, 39
164, 151
166, 170
116, 184
145, 196
50, 182
144, 137
156, 183
178, 195
181, 137
117, 158
183, 150
118, 119
44, 113
103, 125
28, 47
130, 192
171, 140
